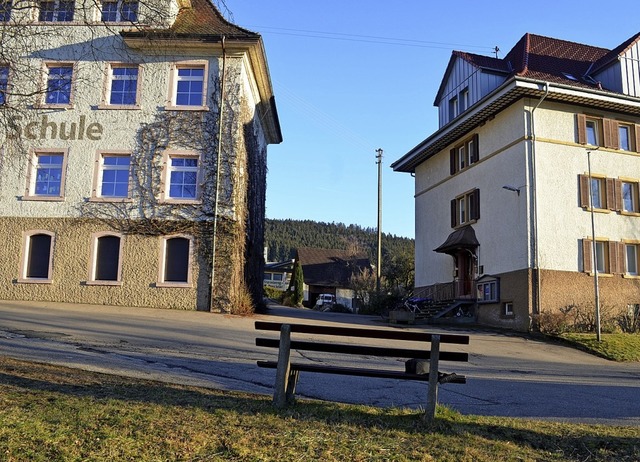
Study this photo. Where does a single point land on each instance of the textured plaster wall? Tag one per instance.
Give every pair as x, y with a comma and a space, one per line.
71, 262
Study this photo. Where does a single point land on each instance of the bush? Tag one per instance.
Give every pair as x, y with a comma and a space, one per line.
578, 319
273, 293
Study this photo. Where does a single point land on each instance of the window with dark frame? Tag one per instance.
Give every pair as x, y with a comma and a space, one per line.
465, 208
38, 259
464, 155
176, 260
107, 258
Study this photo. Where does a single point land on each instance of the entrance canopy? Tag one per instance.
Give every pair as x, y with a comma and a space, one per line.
461, 239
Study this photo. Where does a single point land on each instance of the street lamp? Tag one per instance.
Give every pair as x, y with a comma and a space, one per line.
593, 247
379, 263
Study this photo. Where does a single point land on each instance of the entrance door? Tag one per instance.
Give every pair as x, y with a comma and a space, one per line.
464, 274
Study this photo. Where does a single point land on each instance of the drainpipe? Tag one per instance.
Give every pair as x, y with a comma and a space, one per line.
534, 206
218, 158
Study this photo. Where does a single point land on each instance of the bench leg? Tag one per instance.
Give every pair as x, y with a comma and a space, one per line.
283, 372
432, 396
291, 386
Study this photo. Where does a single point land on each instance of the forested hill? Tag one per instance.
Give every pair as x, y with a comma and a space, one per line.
282, 237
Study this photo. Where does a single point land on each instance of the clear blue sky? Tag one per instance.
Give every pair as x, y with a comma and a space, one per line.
352, 76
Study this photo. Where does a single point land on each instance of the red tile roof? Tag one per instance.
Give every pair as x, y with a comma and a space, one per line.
203, 18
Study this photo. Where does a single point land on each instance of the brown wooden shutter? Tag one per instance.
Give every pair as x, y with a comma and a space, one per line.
637, 138
615, 134
454, 214
584, 190
611, 194
475, 153
581, 121
607, 128
474, 205
617, 194
586, 255
452, 161
622, 258
612, 250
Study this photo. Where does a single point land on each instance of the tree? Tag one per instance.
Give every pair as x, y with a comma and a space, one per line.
297, 284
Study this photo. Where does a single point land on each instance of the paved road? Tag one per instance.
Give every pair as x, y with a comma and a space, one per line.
508, 374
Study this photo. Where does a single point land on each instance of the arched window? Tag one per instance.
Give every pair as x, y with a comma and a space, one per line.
106, 258
175, 265
37, 256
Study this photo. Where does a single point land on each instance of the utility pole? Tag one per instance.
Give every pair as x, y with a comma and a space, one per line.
379, 263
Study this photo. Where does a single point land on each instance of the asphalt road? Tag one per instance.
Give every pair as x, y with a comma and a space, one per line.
507, 375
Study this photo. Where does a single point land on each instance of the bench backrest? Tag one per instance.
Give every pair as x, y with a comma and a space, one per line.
420, 351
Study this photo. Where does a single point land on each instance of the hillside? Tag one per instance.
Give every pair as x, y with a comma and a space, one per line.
282, 237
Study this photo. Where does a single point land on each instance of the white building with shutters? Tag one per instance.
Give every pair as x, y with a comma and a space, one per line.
503, 201
134, 148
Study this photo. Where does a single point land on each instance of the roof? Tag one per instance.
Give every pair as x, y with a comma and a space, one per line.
538, 67
329, 267
461, 239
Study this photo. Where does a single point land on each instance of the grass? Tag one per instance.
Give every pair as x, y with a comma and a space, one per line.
50, 413
616, 347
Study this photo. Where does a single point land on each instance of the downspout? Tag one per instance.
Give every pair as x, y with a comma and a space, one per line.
534, 207
218, 158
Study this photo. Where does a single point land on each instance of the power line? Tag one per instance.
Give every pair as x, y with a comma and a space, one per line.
366, 38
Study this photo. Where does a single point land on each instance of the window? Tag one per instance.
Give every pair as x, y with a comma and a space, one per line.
59, 80
183, 174
5, 10
488, 290
597, 192
453, 108
56, 10
112, 180
105, 259
4, 84
508, 308
175, 265
632, 253
592, 133
37, 257
465, 208
464, 100
464, 155
189, 86
119, 11
606, 256
630, 197
46, 175
624, 137
122, 85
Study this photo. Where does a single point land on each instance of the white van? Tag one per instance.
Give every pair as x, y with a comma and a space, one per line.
325, 301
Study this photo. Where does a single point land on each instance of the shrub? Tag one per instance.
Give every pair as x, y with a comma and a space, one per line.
273, 293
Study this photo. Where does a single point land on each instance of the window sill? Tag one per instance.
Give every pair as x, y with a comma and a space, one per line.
176, 285
119, 107
630, 214
65, 107
171, 107
103, 283
182, 201
43, 198
631, 276
601, 275
34, 281
466, 223
596, 210
119, 200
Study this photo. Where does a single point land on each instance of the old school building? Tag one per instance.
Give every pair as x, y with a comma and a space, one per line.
530, 148
134, 141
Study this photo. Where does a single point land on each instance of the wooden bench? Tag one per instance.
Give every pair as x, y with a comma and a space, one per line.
287, 373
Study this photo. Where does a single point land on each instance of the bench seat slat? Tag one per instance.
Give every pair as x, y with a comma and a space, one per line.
364, 350
356, 371
363, 332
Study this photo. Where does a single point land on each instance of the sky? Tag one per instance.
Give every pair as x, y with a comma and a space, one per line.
354, 76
